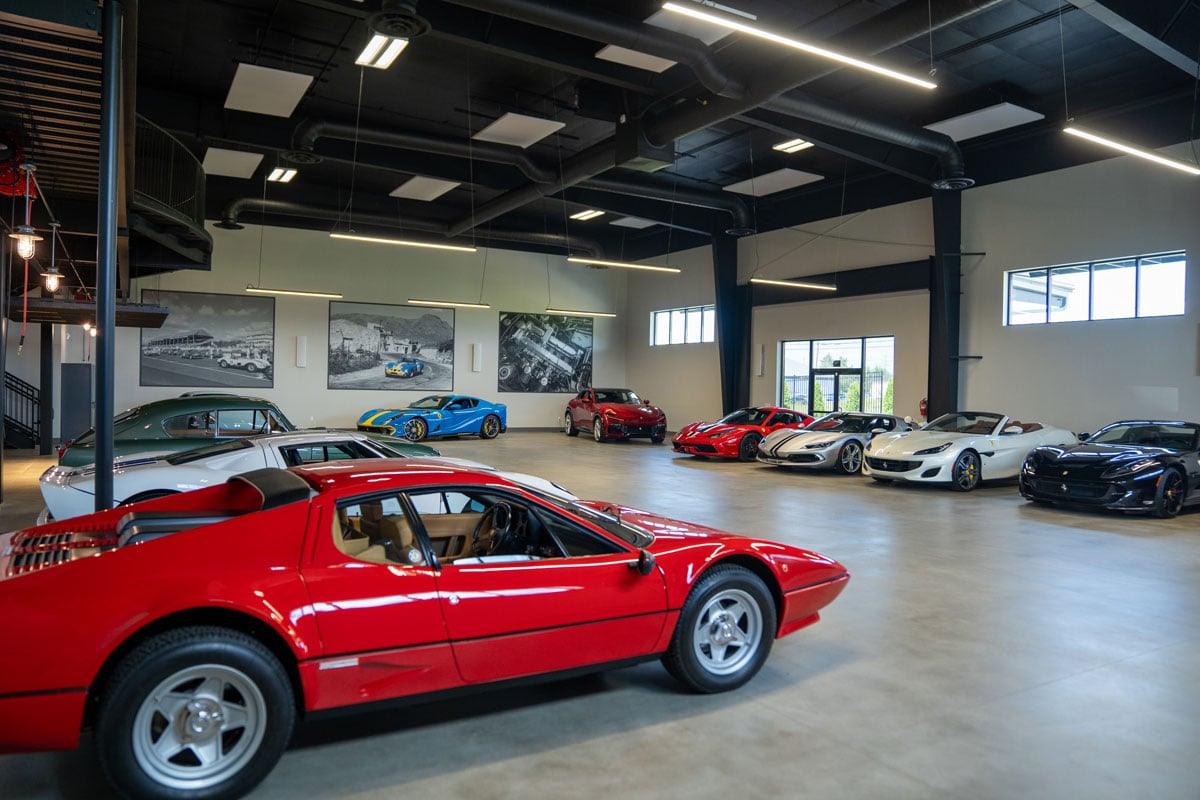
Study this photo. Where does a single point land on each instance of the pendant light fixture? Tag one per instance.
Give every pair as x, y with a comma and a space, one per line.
26, 235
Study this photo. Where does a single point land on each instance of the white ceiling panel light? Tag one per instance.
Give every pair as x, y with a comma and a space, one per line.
518, 130
633, 222
230, 163
985, 120
262, 90
792, 146
772, 182
698, 12
695, 28
584, 216
634, 58
418, 187
282, 175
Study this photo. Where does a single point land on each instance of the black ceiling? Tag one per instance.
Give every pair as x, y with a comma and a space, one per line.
1129, 70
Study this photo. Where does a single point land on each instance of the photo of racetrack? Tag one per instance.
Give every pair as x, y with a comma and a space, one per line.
210, 340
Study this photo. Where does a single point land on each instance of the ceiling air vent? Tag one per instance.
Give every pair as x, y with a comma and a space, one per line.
399, 20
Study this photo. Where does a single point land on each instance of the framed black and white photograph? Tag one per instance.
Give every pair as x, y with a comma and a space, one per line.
220, 340
544, 353
373, 346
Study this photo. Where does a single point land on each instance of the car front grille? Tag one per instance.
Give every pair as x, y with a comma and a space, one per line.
1079, 490
384, 429
892, 465
803, 458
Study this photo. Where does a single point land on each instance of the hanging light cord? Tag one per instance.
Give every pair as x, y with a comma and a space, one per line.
1062, 51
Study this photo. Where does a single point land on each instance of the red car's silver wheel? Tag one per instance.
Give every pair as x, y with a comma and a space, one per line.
199, 727
569, 425
724, 632
598, 430
199, 713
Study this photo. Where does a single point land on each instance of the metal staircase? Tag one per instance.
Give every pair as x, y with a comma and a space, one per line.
22, 413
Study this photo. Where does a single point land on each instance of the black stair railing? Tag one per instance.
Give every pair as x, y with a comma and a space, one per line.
22, 412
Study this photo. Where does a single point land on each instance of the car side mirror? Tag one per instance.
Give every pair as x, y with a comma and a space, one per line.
645, 562
877, 431
1013, 429
645, 402
1083, 437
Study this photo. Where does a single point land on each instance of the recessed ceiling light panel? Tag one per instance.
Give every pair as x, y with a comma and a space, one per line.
792, 146
584, 216
984, 121
773, 182
262, 90
230, 163
634, 58
418, 187
518, 130
633, 222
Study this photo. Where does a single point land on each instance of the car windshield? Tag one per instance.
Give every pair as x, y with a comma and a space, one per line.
964, 422
850, 423
220, 448
630, 534
1171, 435
747, 416
617, 396
433, 401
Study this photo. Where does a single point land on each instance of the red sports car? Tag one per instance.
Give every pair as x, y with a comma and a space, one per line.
190, 632
614, 414
736, 435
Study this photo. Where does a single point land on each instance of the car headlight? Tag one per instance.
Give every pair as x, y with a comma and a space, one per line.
817, 445
1129, 469
928, 451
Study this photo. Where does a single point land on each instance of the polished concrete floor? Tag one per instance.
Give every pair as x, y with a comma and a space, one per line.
985, 648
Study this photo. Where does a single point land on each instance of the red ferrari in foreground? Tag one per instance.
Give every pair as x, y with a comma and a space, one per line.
191, 631
736, 435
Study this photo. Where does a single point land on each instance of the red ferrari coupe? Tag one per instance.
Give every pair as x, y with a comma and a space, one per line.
614, 414
190, 632
736, 435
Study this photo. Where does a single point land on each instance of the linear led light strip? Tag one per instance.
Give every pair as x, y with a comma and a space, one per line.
566, 312
354, 237
695, 13
293, 292
1129, 149
623, 264
824, 287
443, 303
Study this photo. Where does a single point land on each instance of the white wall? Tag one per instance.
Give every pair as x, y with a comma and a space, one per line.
685, 379
372, 273
1080, 375
904, 315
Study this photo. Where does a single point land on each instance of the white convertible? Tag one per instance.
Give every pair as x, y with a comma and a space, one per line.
70, 491
960, 448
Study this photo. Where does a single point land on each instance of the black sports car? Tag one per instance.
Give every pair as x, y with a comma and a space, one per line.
1136, 465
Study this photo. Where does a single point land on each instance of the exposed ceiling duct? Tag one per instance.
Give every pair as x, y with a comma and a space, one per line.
309, 132
888, 29
232, 212
617, 30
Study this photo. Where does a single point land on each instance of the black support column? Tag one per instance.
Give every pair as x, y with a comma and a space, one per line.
106, 251
46, 389
945, 291
733, 323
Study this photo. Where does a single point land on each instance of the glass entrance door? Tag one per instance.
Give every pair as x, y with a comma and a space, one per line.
836, 389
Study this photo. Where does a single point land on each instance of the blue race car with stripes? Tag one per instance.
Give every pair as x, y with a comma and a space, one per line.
438, 415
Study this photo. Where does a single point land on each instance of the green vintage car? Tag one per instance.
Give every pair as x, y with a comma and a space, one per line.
192, 420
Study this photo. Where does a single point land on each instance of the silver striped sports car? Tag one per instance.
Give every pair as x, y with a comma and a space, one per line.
835, 441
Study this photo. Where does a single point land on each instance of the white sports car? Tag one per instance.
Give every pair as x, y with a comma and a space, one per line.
835, 441
960, 448
70, 491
